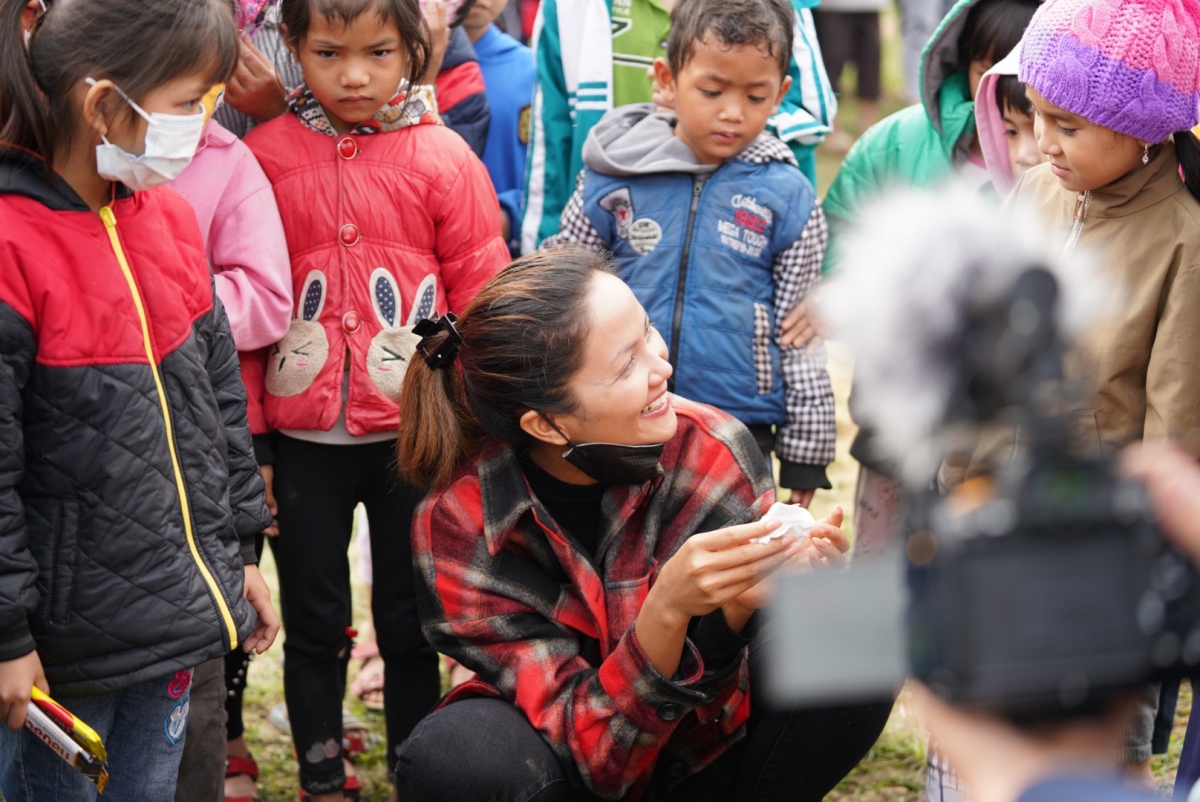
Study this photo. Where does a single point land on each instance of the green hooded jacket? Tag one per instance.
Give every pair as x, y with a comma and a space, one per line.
915, 145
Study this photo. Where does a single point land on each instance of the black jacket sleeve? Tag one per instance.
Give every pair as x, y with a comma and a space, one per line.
247, 495
18, 569
470, 118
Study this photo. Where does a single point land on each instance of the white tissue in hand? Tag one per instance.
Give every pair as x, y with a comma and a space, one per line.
791, 519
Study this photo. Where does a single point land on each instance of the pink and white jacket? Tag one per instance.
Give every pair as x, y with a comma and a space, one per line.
246, 248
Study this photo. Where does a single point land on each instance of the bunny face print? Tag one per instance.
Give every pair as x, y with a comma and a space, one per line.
297, 359
394, 345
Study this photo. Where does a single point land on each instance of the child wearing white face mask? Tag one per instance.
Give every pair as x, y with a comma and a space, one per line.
129, 493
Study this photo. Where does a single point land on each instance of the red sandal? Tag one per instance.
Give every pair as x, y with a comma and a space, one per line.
241, 767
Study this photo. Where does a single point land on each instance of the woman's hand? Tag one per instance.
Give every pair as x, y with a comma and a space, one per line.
713, 568
259, 596
708, 571
825, 547
17, 678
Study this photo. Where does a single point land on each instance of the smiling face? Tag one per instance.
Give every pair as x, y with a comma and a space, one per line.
723, 95
353, 69
1083, 156
621, 386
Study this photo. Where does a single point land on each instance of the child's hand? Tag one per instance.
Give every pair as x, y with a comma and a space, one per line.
801, 497
259, 596
268, 475
439, 38
255, 89
17, 678
800, 329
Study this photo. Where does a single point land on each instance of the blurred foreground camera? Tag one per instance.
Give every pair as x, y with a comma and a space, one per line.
1039, 585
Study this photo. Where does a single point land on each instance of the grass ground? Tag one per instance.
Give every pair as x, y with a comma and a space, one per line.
894, 768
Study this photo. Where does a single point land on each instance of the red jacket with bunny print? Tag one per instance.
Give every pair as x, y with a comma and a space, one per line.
385, 224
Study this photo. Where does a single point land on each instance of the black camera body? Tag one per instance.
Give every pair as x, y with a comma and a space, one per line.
1048, 590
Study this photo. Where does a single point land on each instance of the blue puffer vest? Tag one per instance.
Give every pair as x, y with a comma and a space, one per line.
698, 252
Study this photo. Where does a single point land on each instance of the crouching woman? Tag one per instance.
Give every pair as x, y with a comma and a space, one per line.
587, 550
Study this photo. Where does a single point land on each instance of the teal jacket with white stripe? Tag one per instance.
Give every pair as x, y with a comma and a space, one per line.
573, 43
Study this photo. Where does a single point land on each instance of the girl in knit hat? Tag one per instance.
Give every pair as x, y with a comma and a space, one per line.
1113, 84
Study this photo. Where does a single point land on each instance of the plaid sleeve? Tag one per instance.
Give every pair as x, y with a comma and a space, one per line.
808, 436
607, 723
574, 227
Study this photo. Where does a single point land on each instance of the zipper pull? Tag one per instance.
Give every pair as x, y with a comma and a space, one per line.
110, 219
1081, 206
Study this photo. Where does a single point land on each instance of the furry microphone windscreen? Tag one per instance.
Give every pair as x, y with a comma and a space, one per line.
909, 272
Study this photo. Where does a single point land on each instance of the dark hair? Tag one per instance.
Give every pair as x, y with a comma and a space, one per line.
993, 29
1187, 149
765, 24
297, 16
1011, 92
522, 342
137, 44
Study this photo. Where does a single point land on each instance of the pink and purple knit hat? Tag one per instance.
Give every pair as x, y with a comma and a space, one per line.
1129, 65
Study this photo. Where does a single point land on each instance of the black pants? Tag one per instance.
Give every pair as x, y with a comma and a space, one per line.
317, 487
797, 755
237, 669
850, 36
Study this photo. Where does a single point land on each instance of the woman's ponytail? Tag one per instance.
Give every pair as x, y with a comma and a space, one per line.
1187, 148
26, 122
522, 341
437, 428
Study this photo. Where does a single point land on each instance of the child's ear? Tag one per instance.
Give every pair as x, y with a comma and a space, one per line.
783, 90
287, 42
664, 82
95, 105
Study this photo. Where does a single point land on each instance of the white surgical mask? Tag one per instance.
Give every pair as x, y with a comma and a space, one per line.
171, 142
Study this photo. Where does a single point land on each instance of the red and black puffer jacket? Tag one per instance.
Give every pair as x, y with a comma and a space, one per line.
129, 494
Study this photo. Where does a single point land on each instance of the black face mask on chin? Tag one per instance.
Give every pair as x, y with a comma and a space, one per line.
615, 464
612, 463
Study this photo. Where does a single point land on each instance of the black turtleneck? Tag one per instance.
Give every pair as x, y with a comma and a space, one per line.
575, 508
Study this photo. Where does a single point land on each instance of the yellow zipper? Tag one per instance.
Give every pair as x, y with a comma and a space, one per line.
110, 224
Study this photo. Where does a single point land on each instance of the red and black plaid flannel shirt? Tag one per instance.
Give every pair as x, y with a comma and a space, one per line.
504, 591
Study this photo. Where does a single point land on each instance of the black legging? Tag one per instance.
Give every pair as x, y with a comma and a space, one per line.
317, 487
237, 666
788, 754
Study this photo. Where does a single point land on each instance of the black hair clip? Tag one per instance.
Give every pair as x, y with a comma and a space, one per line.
429, 327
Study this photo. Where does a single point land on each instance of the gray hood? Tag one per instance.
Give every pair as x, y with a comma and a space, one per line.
636, 140
940, 57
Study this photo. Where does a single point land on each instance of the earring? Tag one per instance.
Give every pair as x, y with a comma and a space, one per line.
1146, 153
